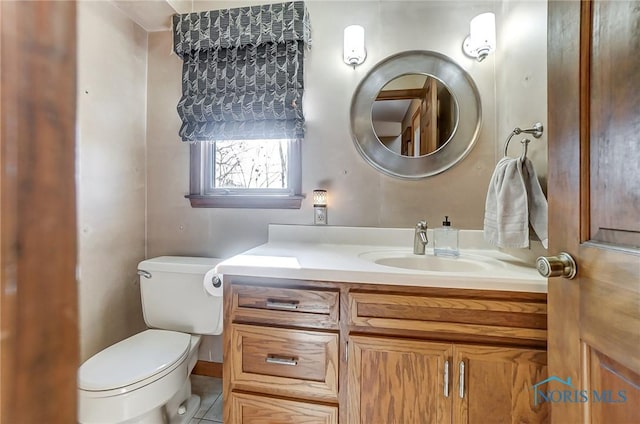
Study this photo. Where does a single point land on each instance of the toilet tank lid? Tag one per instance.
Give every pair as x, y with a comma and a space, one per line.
134, 359
182, 264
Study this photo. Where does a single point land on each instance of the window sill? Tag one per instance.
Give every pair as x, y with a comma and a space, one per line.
245, 202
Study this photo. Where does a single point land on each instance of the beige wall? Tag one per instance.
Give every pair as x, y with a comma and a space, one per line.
359, 195
521, 86
111, 182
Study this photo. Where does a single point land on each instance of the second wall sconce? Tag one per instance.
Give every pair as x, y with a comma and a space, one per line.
354, 51
481, 40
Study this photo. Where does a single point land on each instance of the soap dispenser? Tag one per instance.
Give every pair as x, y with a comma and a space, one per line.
445, 240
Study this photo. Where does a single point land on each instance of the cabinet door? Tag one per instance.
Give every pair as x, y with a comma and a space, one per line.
495, 385
396, 381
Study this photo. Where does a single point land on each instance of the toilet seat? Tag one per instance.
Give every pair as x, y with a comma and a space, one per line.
133, 362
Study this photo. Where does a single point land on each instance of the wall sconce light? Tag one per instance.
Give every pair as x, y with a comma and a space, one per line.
320, 207
354, 51
481, 40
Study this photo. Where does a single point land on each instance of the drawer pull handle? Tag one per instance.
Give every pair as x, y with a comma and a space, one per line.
278, 360
276, 304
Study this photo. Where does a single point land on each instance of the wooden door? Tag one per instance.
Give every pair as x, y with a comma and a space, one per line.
594, 210
38, 300
395, 381
494, 385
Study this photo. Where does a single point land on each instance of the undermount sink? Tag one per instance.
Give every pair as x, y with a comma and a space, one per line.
427, 262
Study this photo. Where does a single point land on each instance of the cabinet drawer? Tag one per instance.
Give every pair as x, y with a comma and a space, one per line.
284, 362
464, 316
251, 409
298, 307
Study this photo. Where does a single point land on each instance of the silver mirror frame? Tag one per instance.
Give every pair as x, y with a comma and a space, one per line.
461, 86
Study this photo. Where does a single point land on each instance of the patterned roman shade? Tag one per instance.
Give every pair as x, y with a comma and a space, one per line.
242, 76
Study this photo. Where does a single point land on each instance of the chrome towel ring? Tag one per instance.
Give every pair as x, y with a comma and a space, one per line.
536, 131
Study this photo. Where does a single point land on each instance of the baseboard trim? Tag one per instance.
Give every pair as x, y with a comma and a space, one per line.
210, 369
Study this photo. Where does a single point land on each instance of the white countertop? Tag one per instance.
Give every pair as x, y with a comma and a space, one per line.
348, 254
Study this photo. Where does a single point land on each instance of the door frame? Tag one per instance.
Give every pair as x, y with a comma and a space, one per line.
39, 350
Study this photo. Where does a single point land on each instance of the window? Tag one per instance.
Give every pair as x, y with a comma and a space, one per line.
242, 86
246, 174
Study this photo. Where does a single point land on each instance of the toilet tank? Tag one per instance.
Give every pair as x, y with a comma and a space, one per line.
173, 295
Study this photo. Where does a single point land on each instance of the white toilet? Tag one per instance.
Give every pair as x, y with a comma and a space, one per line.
145, 378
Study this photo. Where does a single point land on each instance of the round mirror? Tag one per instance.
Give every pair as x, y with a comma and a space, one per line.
442, 131
414, 115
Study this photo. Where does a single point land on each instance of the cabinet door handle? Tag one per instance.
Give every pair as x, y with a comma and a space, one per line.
279, 360
461, 380
277, 304
446, 379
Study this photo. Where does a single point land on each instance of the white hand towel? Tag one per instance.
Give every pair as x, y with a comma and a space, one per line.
506, 216
538, 213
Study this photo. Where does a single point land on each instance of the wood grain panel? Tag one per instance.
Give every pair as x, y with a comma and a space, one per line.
310, 357
316, 353
210, 369
397, 381
618, 388
470, 311
298, 307
565, 78
39, 352
455, 328
456, 316
498, 385
618, 331
250, 409
411, 93
416, 301
614, 106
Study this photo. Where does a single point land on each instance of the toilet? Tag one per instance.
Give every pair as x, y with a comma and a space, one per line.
145, 378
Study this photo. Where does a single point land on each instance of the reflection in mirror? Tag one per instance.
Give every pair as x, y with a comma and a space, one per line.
456, 142
414, 115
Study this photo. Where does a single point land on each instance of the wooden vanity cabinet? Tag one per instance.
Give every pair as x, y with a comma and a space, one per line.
445, 356
325, 352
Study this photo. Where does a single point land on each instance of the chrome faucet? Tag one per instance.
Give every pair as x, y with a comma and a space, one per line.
420, 239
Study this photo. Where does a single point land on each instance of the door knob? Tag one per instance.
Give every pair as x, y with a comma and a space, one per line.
561, 265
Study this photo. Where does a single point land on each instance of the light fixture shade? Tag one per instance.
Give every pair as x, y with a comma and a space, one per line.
354, 51
319, 197
482, 36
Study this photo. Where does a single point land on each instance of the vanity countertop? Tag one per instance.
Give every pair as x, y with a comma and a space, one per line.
349, 254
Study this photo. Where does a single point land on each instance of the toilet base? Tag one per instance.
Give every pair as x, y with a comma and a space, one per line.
183, 401
191, 407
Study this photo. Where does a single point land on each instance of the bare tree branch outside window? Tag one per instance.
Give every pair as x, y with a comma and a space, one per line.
251, 164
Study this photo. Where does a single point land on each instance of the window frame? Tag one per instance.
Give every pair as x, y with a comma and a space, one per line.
202, 195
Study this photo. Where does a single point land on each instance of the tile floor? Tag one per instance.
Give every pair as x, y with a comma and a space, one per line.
210, 391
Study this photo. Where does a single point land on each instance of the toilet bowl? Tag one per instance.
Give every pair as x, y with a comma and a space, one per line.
145, 378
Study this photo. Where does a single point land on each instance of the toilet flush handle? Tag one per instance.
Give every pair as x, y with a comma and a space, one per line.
143, 273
